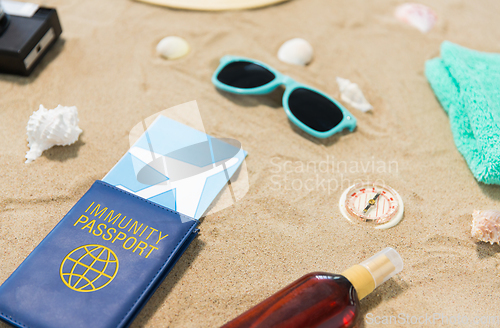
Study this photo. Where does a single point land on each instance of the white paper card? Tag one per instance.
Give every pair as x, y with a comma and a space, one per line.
16, 8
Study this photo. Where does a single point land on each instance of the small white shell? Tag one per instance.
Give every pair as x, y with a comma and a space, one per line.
486, 226
47, 128
296, 51
352, 94
416, 15
172, 47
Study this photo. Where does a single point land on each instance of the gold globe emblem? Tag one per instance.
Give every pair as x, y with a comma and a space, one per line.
89, 268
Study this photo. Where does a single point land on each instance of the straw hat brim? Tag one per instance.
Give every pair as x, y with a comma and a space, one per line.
213, 5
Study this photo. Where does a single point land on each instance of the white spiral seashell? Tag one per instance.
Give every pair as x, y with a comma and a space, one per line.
486, 226
416, 15
296, 51
172, 47
352, 94
47, 128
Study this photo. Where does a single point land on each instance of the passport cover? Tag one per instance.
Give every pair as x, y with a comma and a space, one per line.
99, 265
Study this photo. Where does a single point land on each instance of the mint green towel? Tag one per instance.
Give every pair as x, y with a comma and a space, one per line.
467, 83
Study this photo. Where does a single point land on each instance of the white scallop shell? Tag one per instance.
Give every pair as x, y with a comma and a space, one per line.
486, 226
172, 47
47, 128
352, 94
296, 51
416, 15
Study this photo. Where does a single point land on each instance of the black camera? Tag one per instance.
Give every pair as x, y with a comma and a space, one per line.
26, 38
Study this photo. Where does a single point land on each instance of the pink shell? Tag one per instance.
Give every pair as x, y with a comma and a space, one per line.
416, 15
486, 226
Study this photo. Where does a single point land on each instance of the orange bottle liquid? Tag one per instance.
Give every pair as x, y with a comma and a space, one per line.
322, 300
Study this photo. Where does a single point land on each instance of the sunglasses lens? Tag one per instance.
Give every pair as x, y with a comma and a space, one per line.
245, 75
314, 110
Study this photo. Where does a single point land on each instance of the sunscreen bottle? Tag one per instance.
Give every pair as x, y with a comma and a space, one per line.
322, 299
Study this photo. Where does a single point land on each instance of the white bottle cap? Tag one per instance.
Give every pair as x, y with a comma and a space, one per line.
370, 274
383, 265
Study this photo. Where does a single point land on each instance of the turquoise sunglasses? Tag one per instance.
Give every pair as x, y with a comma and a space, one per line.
311, 110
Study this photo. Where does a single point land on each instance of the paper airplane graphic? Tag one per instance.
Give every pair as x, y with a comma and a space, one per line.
178, 167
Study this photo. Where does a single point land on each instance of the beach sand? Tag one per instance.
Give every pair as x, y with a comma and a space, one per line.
288, 224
